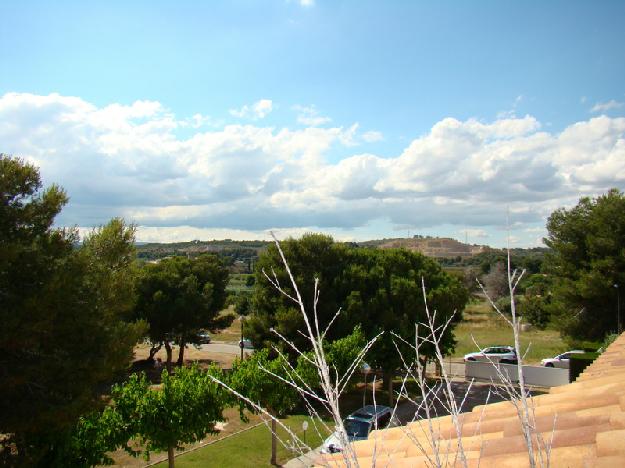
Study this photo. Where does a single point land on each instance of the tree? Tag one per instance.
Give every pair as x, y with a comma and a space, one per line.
183, 410
253, 379
312, 256
63, 311
496, 281
386, 296
340, 354
587, 260
380, 289
535, 310
243, 303
180, 296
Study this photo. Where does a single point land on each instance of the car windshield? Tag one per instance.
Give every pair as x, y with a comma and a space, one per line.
356, 428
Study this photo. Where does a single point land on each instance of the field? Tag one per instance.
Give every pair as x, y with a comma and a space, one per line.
251, 448
232, 334
237, 282
482, 324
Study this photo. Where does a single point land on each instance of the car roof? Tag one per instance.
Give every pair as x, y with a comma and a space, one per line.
367, 413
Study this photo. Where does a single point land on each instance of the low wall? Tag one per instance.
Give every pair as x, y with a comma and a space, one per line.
534, 375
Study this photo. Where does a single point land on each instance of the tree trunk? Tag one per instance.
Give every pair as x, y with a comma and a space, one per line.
387, 382
170, 456
274, 442
183, 344
154, 350
169, 353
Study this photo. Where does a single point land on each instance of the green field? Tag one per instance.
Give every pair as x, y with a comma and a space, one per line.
237, 282
482, 323
251, 448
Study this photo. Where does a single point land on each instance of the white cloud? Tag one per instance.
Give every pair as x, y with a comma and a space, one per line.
307, 3
256, 111
607, 106
473, 234
127, 160
309, 116
372, 136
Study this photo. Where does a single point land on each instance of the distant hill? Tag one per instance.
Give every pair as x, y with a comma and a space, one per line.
238, 255
241, 255
438, 247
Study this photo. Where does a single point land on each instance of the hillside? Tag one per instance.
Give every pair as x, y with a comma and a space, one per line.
439, 247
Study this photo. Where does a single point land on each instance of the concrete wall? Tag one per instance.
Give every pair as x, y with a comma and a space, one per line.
534, 375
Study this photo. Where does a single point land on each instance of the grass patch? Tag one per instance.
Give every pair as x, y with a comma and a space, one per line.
251, 448
238, 282
232, 334
488, 329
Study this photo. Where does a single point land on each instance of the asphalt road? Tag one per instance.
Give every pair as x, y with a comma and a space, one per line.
225, 348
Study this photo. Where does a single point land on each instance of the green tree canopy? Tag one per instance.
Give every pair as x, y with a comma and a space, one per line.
253, 379
587, 260
62, 310
380, 289
182, 410
179, 296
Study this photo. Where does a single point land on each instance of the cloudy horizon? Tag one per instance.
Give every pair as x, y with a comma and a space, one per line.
484, 157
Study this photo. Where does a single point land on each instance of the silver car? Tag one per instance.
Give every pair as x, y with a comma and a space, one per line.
561, 360
503, 354
359, 424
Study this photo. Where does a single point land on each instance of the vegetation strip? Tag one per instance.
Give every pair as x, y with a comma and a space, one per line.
193, 449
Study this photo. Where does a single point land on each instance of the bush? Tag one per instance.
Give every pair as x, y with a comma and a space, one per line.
534, 310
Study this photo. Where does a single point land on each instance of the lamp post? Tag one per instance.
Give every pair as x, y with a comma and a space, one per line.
241, 342
618, 309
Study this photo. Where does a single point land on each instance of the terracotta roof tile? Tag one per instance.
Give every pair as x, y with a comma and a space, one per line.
584, 420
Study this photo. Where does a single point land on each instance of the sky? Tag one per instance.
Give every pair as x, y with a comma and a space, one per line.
360, 119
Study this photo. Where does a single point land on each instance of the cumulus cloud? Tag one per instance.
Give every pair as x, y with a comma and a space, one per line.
256, 111
128, 160
309, 115
372, 136
607, 106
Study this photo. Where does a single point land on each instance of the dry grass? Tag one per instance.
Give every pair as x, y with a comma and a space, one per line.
232, 334
192, 354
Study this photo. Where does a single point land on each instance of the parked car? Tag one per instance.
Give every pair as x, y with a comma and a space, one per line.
561, 360
204, 337
502, 354
358, 425
246, 343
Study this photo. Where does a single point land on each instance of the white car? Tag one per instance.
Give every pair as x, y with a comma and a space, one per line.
503, 354
561, 360
246, 343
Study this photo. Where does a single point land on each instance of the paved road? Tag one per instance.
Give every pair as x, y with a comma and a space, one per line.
225, 348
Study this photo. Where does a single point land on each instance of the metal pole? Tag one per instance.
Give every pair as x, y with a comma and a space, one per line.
241, 344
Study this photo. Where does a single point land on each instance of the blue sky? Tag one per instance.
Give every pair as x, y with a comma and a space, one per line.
361, 119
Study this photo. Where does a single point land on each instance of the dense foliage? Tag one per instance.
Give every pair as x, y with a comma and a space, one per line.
62, 311
262, 381
179, 296
142, 419
587, 261
380, 289
183, 410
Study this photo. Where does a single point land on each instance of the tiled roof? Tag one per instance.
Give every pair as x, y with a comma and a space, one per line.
586, 419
